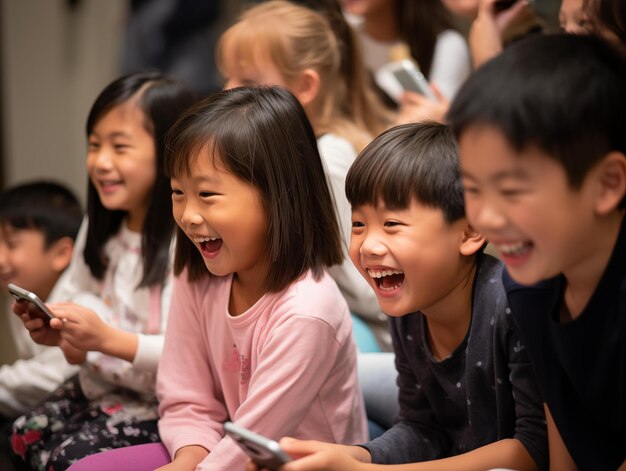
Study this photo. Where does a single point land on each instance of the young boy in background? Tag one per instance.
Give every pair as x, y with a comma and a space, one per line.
38, 224
468, 398
543, 160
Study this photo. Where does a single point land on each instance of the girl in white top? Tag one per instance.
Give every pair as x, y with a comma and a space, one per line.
279, 43
117, 288
425, 27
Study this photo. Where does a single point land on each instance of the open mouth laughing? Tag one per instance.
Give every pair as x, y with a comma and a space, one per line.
514, 252
386, 279
108, 186
209, 246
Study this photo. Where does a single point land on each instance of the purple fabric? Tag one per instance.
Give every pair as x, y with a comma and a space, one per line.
133, 458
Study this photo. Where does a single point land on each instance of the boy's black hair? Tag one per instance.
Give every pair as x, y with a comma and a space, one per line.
263, 137
162, 100
45, 206
417, 161
563, 94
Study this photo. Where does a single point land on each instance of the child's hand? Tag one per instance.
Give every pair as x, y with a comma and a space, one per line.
485, 37
39, 331
415, 108
74, 356
310, 455
80, 327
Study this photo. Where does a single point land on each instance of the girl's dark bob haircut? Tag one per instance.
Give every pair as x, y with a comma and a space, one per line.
263, 137
412, 161
162, 100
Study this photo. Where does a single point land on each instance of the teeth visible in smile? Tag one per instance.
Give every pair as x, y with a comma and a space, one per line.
513, 249
199, 240
382, 273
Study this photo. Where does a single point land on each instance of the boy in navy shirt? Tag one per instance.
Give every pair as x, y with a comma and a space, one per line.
543, 160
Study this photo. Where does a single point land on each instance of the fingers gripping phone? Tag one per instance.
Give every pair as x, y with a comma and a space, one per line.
411, 79
21, 294
263, 451
399, 76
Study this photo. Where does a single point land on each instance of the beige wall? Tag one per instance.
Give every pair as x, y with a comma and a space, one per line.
55, 61
7, 348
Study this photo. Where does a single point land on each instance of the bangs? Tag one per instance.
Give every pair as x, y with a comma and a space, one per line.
183, 151
191, 139
416, 161
228, 137
373, 181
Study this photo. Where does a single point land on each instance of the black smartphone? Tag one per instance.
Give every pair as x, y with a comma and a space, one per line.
21, 294
263, 451
501, 5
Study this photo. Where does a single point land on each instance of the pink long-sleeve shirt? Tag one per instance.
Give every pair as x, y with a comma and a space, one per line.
287, 366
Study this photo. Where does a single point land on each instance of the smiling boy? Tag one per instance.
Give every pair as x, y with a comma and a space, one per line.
467, 395
543, 158
38, 224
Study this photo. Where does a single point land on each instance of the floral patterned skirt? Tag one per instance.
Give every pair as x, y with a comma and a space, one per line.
68, 426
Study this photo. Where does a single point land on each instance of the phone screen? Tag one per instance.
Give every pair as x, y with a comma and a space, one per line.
407, 81
263, 451
501, 5
21, 294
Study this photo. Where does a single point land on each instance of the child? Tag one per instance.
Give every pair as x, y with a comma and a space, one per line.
495, 27
259, 333
466, 386
278, 43
608, 18
38, 224
573, 17
543, 156
426, 29
117, 288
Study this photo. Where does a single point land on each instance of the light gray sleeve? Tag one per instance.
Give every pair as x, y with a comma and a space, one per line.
27, 382
451, 64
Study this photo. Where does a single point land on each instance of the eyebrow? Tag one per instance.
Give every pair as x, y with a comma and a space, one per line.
120, 134
501, 175
199, 179
113, 135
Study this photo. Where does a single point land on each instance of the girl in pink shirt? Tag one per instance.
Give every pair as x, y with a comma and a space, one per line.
258, 332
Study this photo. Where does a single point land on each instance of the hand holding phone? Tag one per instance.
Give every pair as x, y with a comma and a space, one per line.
263, 451
406, 76
21, 294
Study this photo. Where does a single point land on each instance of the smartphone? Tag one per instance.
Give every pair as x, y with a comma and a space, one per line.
21, 294
410, 77
501, 5
263, 451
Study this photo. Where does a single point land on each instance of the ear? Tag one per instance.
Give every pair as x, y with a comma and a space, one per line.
471, 241
611, 182
307, 86
61, 253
